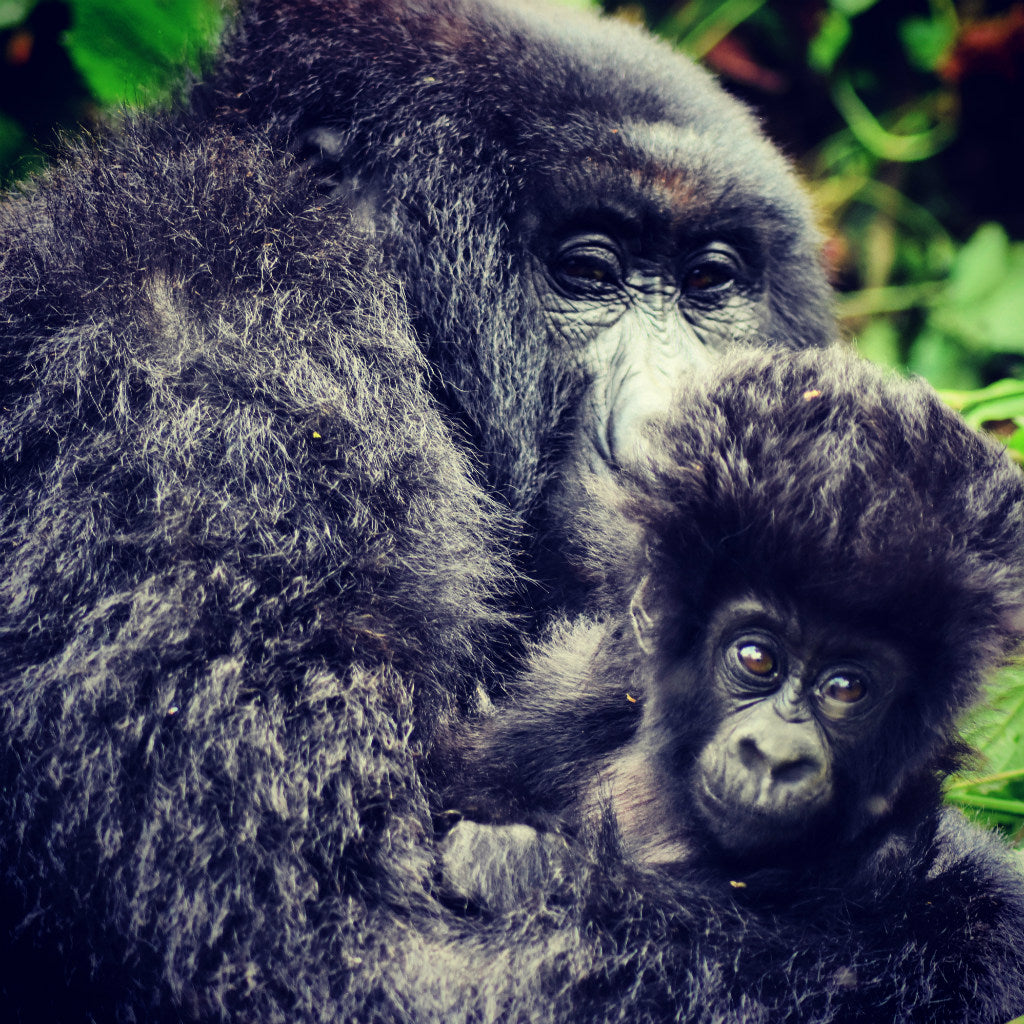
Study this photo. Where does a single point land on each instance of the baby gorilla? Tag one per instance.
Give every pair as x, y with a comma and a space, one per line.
807, 584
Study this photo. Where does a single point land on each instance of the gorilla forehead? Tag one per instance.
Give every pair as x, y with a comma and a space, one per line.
577, 59
552, 105
665, 174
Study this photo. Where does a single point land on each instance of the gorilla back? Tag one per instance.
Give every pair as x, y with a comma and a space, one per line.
295, 380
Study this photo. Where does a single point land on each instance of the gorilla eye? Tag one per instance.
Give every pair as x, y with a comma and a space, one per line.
588, 267
757, 659
714, 270
844, 688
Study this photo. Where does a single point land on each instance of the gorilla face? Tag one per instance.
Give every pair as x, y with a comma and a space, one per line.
572, 241
803, 699
762, 727
640, 297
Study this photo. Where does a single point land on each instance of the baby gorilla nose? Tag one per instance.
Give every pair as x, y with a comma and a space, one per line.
785, 762
777, 769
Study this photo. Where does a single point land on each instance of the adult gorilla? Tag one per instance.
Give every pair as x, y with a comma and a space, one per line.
290, 381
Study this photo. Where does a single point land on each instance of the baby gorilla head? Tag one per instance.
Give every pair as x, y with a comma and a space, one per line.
827, 562
799, 699
756, 733
832, 561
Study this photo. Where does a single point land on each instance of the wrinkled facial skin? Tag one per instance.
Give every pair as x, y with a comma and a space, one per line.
640, 314
793, 705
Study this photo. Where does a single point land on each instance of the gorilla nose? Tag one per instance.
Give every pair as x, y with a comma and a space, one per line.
647, 371
776, 761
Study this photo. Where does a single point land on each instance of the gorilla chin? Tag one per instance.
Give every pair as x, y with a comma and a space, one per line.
756, 835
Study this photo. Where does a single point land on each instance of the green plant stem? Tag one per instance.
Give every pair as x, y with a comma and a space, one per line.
1016, 773
709, 32
913, 215
987, 803
878, 140
887, 299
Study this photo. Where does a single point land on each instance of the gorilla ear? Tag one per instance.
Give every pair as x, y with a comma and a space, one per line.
643, 623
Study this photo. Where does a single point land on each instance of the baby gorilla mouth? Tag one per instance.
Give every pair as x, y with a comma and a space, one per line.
761, 827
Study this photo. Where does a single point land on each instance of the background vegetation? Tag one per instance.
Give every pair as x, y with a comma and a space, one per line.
905, 116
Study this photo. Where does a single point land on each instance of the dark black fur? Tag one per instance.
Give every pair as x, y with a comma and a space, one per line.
290, 382
820, 481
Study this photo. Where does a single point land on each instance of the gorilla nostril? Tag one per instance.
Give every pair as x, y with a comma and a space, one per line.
790, 773
750, 755
784, 766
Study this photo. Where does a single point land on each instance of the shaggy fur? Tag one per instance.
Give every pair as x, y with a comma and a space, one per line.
820, 480
279, 412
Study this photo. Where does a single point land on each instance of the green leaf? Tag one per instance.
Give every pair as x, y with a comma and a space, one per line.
982, 305
1000, 409
940, 360
1003, 400
131, 51
880, 342
992, 320
983, 802
14, 12
981, 260
1015, 443
918, 143
995, 794
927, 40
999, 389
997, 727
722, 18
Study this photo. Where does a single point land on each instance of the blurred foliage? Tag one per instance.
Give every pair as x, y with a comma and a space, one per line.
994, 791
905, 117
66, 63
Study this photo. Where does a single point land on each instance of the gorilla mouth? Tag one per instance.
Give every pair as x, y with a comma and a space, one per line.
744, 828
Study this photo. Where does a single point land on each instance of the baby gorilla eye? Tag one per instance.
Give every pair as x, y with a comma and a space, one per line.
844, 688
757, 659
